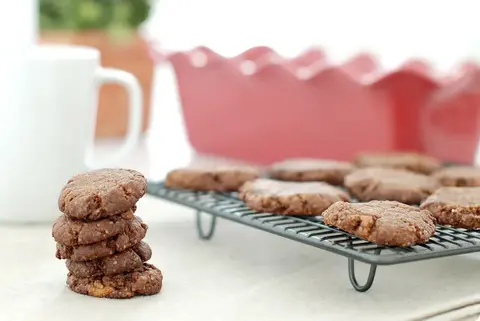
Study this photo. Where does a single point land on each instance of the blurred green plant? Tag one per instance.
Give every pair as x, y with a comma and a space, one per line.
117, 16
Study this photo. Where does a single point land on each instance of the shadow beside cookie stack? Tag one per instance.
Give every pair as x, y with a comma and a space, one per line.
101, 238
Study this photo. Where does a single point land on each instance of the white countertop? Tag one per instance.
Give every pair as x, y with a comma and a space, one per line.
241, 274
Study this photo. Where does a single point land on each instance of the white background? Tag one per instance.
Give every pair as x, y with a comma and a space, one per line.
443, 31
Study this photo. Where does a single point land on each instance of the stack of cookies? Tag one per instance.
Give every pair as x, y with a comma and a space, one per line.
100, 237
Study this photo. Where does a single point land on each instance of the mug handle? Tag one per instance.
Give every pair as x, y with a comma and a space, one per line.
134, 126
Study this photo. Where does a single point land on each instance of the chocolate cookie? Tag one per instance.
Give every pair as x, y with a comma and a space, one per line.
219, 178
67, 231
146, 280
409, 161
304, 170
125, 261
458, 176
101, 193
368, 184
383, 222
455, 206
132, 235
290, 198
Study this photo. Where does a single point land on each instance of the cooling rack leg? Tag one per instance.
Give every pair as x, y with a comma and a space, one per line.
205, 235
353, 278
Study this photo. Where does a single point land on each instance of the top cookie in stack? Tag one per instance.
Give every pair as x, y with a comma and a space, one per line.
101, 193
101, 238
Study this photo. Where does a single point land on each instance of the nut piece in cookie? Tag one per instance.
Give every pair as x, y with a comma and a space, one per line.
458, 176
122, 262
146, 280
304, 170
211, 178
382, 222
67, 231
132, 235
101, 193
368, 184
402, 160
290, 198
455, 206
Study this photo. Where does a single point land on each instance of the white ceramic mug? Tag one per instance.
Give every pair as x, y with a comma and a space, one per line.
48, 108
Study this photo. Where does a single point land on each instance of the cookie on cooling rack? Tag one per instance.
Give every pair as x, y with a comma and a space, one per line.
290, 198
211, 178
402, 160
367, 184
455, 206
305, 169
382, 222
458, 176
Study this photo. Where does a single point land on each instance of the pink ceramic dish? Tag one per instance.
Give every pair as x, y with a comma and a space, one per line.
261, 107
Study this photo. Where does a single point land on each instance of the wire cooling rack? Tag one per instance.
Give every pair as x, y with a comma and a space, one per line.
447, 241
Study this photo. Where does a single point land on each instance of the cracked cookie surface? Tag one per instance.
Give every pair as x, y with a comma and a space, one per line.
455, 206
383, 222
101, 193
211, 178
305, 170
146, 280
367, 184
131, 236
290, 198
67, 231
125, 261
